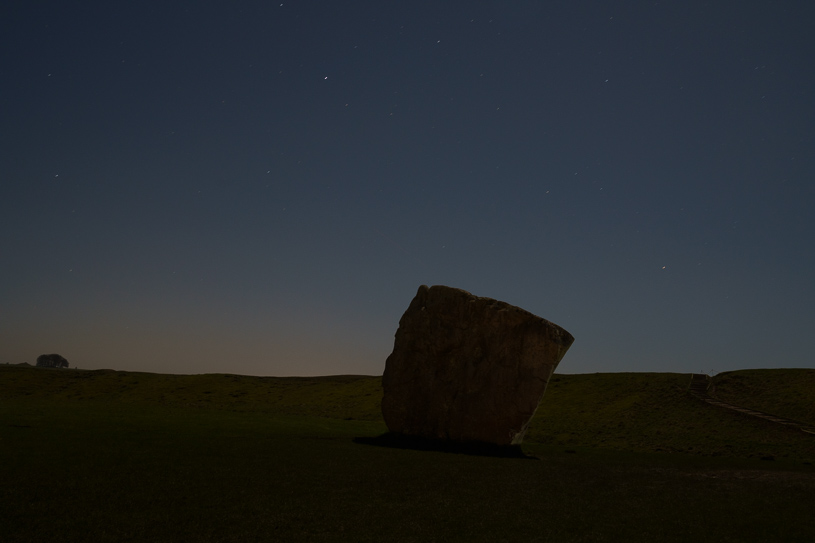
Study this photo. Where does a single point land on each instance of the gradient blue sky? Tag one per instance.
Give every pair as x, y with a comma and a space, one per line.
261, 187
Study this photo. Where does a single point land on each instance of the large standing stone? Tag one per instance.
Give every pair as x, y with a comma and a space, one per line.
468, 369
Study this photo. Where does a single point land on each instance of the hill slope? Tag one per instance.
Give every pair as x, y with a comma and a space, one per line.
788, 393
654, 412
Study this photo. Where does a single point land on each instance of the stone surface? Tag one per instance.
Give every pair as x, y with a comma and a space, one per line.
468, 369
51, 361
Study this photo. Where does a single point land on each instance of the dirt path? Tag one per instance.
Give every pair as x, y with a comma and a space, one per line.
699, 383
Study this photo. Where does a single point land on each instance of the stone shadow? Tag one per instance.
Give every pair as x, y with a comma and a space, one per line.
395, 440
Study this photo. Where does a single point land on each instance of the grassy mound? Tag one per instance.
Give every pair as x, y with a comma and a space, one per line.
653, 412
788, 393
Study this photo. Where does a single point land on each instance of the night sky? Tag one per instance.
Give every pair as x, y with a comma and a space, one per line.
261, 187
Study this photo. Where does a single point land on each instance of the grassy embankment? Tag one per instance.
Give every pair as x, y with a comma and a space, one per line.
116, 456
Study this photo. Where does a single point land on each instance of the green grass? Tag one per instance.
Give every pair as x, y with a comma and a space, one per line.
114, 456
788, 393
653, 412
342, 396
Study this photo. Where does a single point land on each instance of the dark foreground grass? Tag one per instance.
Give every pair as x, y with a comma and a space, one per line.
96, 467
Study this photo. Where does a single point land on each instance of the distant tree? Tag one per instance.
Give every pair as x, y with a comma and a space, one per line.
51, 361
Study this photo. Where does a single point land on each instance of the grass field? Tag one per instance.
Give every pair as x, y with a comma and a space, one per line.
117, 456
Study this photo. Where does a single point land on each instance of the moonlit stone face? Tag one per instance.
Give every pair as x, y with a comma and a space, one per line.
468, 369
